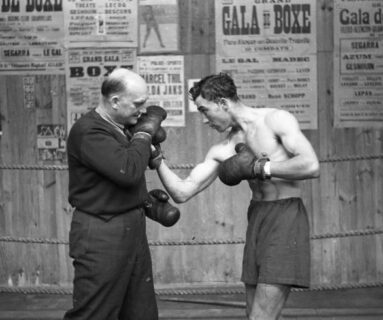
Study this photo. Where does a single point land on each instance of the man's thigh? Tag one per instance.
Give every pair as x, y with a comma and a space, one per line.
265, 301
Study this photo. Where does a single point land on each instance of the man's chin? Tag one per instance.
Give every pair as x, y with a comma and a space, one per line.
131, 121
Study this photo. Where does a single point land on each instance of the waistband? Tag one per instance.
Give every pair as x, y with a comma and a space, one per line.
109, 216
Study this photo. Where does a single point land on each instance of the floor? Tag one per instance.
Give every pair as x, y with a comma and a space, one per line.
350, 304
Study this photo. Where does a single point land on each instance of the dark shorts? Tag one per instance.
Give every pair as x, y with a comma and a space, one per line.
112, 268
277, 249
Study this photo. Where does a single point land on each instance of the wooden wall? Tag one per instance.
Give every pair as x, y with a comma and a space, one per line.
33, 203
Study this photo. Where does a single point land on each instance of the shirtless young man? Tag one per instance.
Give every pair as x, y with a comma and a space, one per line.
267, 148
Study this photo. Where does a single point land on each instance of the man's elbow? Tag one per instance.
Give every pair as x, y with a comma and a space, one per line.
313, 169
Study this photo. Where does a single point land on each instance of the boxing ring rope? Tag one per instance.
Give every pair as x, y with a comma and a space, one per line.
59, 290
189, 291
156, 243
184, 166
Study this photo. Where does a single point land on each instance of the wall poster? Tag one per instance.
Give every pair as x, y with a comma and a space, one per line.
51, 142
158, 26
358, 63
31, 37
269, 48
86, 69
91, 22
165, 78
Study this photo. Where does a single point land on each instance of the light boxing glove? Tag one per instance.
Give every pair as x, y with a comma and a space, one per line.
159, 209
242, 166
150, 122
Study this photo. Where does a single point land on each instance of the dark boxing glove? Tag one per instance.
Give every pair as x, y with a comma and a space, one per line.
159, 136
242, 166
159, 209
150, 122
156, 157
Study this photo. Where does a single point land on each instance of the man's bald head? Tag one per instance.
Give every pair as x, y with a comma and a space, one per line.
122, 80
124, 94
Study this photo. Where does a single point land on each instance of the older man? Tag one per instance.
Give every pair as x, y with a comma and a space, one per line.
112, 264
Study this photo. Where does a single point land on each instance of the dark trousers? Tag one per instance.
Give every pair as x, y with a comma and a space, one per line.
112, 268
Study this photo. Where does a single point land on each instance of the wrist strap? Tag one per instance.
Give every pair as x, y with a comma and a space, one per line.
267, 170
142, 135
259, 169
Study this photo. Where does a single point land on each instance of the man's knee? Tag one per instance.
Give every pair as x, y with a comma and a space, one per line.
266, 302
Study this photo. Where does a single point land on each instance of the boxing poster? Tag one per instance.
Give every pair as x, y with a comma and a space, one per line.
269, 48
86, 68
31, 37
158, 26
164, 76
110, 22
358, 63
51, 142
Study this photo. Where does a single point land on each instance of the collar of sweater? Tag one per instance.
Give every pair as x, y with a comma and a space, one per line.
103, 114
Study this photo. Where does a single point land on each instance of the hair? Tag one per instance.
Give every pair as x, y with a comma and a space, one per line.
112, 85
215, 87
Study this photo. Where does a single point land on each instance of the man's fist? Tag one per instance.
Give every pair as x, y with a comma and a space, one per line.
156, 157
160, 136
242, 166
150, 122
159, 209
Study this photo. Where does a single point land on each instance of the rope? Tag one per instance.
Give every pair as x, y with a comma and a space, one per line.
241, 290
195, 242
32, 240
65, 167
351, 233
353, 158
188, 291
153, 243
184, 166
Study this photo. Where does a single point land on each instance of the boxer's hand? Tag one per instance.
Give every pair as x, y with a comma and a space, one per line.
150, 122
159, 209
160, 136
156, 157
242, 166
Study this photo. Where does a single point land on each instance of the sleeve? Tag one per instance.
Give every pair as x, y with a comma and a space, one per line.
123, 164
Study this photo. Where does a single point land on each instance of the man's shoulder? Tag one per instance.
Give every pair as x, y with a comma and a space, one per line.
276, 114
279, 118
85, 123
87, 119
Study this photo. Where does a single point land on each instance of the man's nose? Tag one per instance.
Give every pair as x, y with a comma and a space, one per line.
141, 109
205, 120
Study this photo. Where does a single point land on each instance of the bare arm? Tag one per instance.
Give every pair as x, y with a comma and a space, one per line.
200, 177
303, 163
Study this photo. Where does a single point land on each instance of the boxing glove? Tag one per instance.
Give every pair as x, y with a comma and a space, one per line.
242, 166
156, 157
159, 209
150, 122
159, 136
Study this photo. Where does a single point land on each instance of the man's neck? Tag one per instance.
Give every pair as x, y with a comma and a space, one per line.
105, 115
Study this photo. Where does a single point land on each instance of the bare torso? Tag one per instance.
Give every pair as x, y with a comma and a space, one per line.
264, 143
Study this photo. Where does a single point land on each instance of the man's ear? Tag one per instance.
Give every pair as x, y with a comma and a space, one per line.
224, 103
115, 100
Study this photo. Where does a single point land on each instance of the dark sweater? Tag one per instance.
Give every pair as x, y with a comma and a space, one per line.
106, 171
